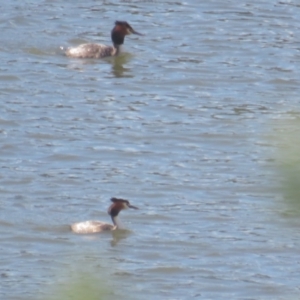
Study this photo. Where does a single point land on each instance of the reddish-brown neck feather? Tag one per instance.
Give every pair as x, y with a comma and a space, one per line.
115, 208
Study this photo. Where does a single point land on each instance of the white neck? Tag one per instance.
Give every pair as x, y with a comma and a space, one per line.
117, 222
118, 48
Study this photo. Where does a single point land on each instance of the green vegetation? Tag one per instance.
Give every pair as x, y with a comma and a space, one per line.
289, 163
84, 287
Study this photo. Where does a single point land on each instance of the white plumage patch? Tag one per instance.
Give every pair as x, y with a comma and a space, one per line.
91, 227
91, 51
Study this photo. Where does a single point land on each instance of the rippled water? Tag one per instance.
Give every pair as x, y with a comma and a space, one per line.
176, 124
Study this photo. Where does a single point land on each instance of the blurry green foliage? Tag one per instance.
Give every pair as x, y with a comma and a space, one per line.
84, 287
288, 159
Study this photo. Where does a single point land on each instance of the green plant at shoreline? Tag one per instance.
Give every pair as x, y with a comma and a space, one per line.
83, 287
288, 160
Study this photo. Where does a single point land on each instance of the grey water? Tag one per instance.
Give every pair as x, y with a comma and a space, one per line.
177, 124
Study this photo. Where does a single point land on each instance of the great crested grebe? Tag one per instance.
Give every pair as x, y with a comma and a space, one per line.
90, 50
97, 226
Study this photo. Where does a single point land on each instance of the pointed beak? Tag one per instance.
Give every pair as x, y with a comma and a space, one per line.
135, 32
131, 206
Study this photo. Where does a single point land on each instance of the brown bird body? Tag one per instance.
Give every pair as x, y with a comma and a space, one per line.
98, 226
91, 50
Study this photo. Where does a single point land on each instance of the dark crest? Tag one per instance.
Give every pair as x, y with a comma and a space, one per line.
119, 31
116, 200
124, 24
115, 209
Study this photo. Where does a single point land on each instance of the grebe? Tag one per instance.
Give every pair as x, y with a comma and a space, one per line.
97, 226
98, 50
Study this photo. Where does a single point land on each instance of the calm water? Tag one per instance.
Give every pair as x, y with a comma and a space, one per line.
177, 124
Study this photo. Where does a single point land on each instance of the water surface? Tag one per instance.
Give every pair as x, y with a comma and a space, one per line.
177, 124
